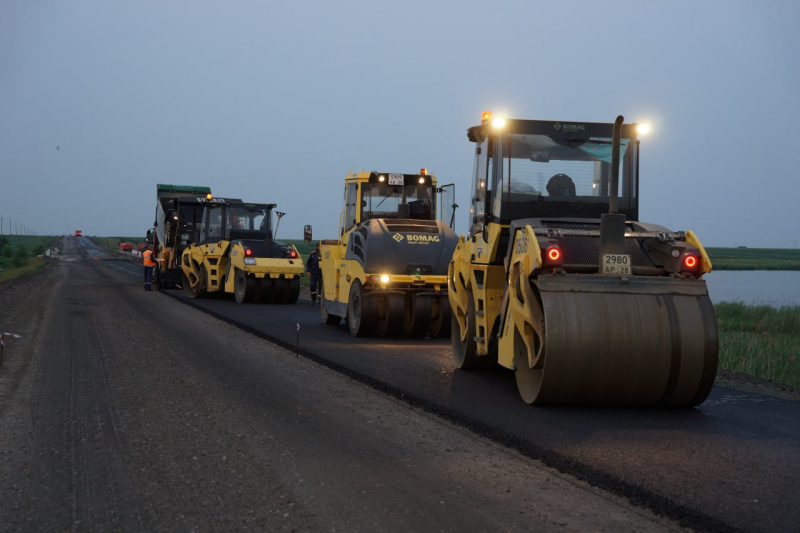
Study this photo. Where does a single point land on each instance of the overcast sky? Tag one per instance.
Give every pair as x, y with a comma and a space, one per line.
276, 101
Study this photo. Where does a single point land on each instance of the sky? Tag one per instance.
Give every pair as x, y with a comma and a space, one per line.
277, 101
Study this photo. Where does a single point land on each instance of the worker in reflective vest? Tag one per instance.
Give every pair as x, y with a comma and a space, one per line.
149, 265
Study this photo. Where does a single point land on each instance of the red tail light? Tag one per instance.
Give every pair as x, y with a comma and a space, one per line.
689, 261
293, 254
248, 252
552, 256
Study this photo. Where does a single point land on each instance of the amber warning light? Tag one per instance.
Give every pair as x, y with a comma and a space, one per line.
486, 116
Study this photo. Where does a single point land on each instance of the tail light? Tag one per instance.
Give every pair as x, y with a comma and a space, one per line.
248, 252
293, 254
552, 256
689, 262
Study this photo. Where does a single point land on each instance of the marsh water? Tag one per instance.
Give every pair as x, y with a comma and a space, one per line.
776, 288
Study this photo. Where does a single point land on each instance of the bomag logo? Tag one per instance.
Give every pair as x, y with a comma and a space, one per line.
411, 238
570, 127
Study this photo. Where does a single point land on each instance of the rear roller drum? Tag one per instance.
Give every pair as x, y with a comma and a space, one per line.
651, 347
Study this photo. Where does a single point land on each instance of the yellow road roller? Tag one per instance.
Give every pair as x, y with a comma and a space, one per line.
236, 253
559, 281
386, 274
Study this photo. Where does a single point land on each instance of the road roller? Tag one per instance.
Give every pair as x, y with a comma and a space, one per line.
559, 281
386, 274
235, 252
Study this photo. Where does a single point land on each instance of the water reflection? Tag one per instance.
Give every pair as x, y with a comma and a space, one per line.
767, 287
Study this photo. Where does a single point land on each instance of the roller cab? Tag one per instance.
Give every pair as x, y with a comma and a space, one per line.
559, 281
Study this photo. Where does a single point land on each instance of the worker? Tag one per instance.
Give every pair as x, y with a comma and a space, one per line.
315, 275
149, 265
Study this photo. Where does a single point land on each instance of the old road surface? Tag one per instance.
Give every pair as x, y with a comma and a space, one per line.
126, 410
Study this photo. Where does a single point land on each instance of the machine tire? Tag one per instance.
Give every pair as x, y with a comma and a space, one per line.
416, 316
244, 288
267, 290
327, 318
465, 353
391, 323
440, 326
291, 291
361, 312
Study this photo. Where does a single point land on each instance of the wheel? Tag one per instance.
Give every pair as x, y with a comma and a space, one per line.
465, 350
327, 318
361, 312
440, 324
244, 287
291, 290
194, 286
266, 290
416, 316
390, 321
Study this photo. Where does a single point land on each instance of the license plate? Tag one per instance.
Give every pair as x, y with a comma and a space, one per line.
396, 179
616, 264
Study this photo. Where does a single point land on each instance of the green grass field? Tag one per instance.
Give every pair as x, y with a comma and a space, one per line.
754, 258
760, 340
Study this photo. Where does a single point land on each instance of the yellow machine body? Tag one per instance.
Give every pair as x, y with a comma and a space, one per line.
387, 272
587, 307
239, 256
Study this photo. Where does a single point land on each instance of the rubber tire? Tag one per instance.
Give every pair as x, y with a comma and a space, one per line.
291, 291
361, 312
416, 316
391, 323
244, 287
441, 327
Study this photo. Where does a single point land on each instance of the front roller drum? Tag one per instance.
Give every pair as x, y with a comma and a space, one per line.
610, 348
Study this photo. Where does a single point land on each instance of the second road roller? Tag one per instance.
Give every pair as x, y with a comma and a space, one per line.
387, 271
559, 281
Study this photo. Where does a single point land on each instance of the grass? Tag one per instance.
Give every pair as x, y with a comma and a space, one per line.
760, 340
35, 264
754, 258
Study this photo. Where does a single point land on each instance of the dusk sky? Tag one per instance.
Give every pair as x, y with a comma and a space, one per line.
277, 101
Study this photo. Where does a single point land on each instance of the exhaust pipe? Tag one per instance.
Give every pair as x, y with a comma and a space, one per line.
612, 224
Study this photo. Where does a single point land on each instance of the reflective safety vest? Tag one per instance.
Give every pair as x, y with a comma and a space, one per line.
148, 258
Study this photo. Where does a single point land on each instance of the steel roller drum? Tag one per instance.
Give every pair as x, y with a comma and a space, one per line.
625, 341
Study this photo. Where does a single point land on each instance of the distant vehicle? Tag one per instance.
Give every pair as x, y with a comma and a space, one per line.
78, 233
126, 247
